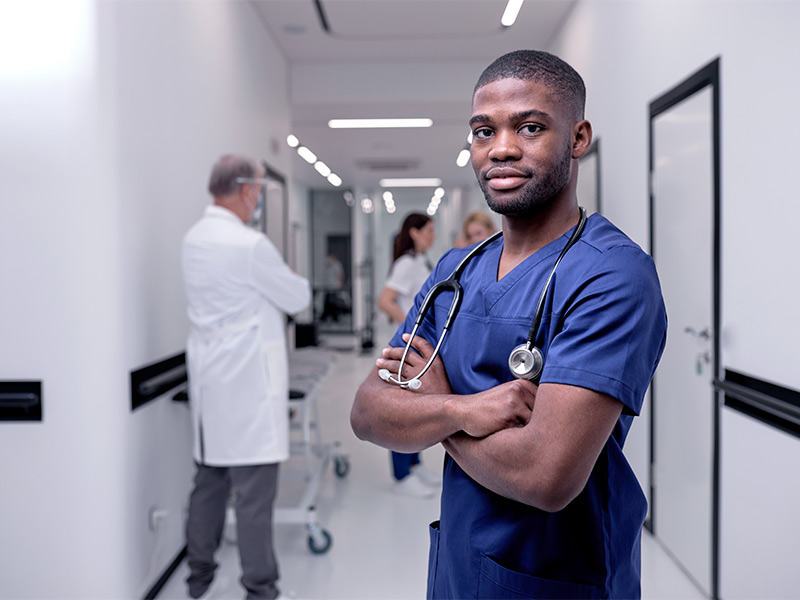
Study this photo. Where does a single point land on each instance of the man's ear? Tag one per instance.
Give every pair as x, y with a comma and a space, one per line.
581, 138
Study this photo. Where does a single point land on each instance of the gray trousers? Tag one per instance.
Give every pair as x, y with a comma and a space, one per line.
255, 488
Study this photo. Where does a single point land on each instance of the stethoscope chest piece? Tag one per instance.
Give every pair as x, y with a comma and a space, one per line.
526, 363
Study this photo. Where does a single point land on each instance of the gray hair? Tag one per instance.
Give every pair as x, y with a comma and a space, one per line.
227, 170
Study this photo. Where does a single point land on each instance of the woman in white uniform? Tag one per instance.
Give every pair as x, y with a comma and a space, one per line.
409, 271
238, 289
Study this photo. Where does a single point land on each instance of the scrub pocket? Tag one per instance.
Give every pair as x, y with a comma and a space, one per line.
433, 558
495, 581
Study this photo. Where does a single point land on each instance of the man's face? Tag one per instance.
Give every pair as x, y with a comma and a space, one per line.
522, 146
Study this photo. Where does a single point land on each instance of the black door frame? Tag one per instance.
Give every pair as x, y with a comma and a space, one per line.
709, 75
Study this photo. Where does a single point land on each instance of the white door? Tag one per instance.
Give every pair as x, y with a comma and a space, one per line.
683, 394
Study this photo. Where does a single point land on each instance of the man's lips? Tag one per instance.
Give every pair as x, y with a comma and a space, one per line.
504, 178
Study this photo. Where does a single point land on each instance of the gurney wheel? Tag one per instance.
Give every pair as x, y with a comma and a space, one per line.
341, 466
319, 541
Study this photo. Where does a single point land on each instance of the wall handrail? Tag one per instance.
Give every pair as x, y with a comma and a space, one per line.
767, 402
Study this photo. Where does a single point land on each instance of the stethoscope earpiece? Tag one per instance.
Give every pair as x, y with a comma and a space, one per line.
414, 384
526, 363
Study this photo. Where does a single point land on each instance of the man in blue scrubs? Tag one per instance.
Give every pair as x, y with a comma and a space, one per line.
538, 500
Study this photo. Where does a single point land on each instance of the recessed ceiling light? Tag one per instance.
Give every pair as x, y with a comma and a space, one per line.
377, 123
292, 141
410, 182
307, 155
322, 168
511, 12
463, 158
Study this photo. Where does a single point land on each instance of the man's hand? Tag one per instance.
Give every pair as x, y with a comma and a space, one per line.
478, 415
507, 405
435, 380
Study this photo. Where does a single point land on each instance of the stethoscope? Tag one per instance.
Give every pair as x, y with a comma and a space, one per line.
526, 361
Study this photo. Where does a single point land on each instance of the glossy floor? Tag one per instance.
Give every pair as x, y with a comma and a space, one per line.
380, 538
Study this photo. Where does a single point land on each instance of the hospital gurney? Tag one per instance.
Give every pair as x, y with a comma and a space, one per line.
308, 367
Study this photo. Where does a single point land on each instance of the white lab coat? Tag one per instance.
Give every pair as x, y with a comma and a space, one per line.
237, 289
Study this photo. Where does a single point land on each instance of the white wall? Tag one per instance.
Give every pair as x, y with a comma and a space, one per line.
629, 53
112, 114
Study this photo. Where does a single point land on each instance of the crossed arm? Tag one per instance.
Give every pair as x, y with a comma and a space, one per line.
536, 445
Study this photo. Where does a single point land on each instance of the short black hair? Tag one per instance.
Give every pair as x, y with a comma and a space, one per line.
541, 67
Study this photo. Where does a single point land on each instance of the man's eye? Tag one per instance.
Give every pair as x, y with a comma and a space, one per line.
531, 128
482, 133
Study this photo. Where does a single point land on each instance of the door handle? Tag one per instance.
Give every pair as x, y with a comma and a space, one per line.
704, 334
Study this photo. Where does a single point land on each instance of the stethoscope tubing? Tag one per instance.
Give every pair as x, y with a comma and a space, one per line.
537, 316
452, 283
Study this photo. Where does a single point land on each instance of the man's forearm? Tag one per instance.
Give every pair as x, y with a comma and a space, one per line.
494, 463
400, 419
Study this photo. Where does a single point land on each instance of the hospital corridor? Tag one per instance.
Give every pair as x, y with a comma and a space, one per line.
380, 538
573, 221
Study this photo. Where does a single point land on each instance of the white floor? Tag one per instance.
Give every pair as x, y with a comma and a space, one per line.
380, 539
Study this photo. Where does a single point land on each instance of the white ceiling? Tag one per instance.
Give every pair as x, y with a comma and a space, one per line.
394, 58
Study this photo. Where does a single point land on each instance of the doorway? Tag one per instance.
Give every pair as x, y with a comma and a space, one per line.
685, 243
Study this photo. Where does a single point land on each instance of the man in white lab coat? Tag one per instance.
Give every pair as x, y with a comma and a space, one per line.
237, 288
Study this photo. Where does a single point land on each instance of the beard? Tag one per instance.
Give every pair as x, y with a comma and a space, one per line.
536, 195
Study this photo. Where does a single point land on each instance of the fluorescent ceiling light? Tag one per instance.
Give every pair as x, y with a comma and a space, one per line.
377, 123
307, 155
463, 158
334, 179
292, 141
322, 168
429, 182
511, 12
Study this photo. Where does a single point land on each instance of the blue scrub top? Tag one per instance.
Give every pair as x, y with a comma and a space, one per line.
603, 328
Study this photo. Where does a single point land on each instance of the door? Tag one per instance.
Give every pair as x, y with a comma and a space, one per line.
274, 216
684, 244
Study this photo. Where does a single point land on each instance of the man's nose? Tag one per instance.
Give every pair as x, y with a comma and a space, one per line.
505, 146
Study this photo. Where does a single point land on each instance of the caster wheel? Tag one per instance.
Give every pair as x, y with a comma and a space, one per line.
341, 466
319, 541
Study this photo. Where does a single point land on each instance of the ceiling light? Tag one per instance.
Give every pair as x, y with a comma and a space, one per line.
307, 155
411, 182
292, 141
469, 138
377, 123
438, 192
463, 158
387, 195
511, 12
322, 168
334, 179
